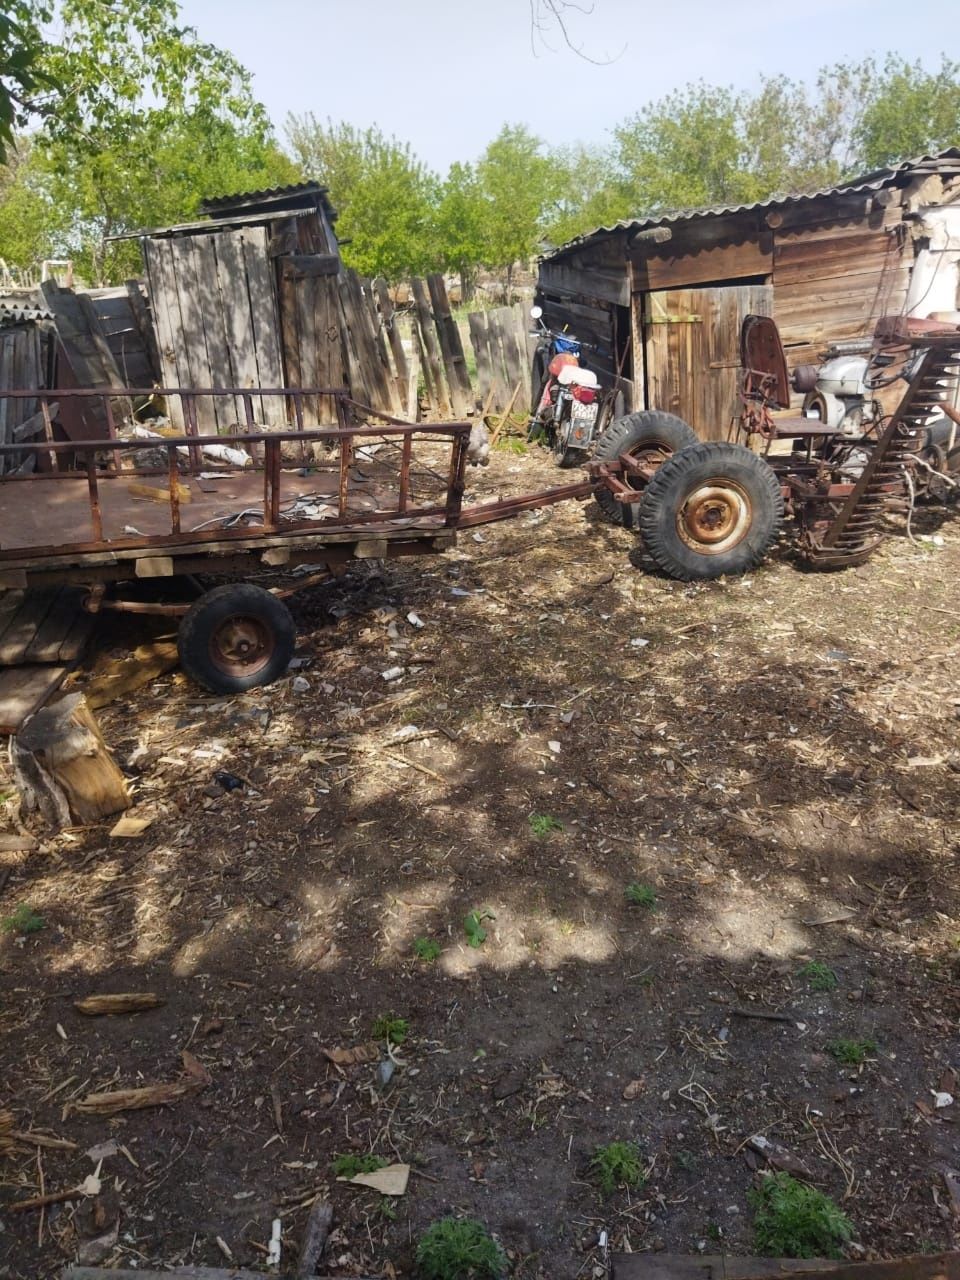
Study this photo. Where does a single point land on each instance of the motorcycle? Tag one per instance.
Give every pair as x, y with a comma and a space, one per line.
565, 411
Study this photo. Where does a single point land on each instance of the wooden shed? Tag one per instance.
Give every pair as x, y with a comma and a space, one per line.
248, 297
664, 297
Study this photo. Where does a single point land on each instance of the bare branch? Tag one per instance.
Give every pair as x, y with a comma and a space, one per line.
551, 16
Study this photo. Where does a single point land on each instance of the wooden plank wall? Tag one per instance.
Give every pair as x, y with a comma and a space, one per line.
21, 369
85, 350
124, 317
504, 352
449, 389
215, 312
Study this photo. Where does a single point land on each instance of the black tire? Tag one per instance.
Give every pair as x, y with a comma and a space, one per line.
650, 431
235, 638
538, 378
710, 510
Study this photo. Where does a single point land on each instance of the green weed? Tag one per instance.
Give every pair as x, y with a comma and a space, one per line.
851, 1053
617, 1165
511, 444
541, 824
819, 977
792, 1220
23, 920
473, 927
349, 1166
393, 1030
640, 895
427, 949
459, 1249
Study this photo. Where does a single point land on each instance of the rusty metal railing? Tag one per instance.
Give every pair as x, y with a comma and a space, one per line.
101, 460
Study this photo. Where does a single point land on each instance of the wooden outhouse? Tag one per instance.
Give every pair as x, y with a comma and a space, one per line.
663, 298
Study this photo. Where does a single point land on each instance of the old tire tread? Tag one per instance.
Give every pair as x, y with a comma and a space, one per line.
647, 427
677, 478
210, 611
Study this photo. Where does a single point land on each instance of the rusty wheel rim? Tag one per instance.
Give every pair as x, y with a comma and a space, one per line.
652, 456
715, 517
241, 646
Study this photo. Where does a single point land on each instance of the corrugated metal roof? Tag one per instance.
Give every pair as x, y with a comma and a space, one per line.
876, 181
303, 193
22, 313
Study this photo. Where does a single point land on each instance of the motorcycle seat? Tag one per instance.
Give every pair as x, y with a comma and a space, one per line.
573, 375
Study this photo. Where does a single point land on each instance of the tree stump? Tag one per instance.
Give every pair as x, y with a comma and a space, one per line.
63, 767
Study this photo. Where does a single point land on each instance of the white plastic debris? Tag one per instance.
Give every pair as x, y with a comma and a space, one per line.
415, 620
554, 746
639, 642
459, 591
273, 1252
392, 673
300, 685
941, 1099
405, 733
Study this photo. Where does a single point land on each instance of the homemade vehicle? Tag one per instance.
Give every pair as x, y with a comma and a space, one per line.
707, 509
297, 504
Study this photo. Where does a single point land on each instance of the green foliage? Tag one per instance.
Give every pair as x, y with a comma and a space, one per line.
384, 194
473, 927
461, 225
427, 949
851, 1053
616, 1165
23, 920
517, 179
792, 1220
459, 1249
909, 111
541, 824
640, 895
819, 977
348, 1166
22, 76
393, 1030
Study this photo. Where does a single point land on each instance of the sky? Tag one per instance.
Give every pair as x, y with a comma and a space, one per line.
445, 75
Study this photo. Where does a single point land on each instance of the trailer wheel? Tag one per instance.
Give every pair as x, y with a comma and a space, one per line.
649, 436
235, 638
710, 510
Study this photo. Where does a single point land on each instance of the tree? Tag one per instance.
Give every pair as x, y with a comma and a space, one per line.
516, 179
384, 195
22, 49
145, 122
31, 223
908, 112
462, 226
588, 192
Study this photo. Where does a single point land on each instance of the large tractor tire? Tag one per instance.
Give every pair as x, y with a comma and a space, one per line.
710, 510
649, 436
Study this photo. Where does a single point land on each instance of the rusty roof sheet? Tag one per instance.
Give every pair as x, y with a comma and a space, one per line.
943, 162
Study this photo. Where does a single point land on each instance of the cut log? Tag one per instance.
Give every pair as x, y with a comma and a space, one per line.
63, 768
121, 1002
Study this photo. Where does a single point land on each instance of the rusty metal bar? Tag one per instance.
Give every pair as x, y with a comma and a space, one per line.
456, 483
248, 411
346, 457
111, 430
488, 512
406, 454
96, 516
271, 484
174, 476
189, 410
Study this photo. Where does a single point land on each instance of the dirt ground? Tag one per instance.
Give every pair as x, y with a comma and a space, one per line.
775, 757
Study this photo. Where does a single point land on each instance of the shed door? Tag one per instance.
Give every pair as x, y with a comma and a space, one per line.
692, 342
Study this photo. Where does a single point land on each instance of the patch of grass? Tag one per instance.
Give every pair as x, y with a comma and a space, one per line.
617, 1165
473, 927
640, 895
427, 949
510, 444
393, 1030
541, 824
792, 1220
851, 1053
23, 920
459, 1249
348, 1166
818, 976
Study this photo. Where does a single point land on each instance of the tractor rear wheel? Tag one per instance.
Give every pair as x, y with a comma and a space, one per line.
710, 510
651, 437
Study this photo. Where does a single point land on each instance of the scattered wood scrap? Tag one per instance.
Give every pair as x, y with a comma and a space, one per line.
114, 1101
680, 1266
121, 678
315, 1233
63, 768
122, 1002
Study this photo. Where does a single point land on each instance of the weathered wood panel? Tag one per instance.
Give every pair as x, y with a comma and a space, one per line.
669, 267
429, 349
693, 352
451, 347
165, 303
388, 320
238, 320
266, 324
611, 284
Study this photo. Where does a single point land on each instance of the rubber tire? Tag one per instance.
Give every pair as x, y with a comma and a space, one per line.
677, 478
648, 427
538, 378
210, 612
